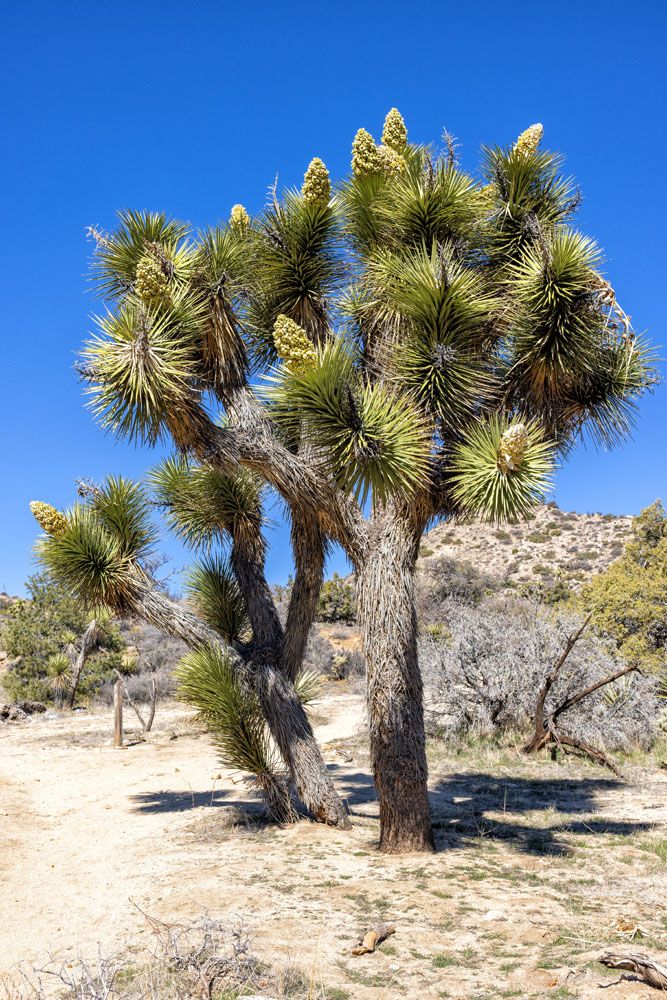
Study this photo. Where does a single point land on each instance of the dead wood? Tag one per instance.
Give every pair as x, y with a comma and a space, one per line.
546, 731
146, 724
373, 937
646, 968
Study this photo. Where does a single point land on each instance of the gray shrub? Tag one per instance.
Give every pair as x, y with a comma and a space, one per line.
484, 668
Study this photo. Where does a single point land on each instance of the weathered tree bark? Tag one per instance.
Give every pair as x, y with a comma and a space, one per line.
309, 548
89, 641
284, 713
646, 968
146, 724
387, 615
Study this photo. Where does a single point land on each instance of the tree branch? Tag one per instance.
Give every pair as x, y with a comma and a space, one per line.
309, 548
285, 715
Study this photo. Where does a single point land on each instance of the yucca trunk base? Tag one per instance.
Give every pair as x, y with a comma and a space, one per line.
395, 703
275, 792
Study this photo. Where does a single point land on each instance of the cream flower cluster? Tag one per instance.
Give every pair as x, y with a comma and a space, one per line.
529, 140
150, 282
293, 345
512, 448
48, 518
391, 162
394, 133
316, 187
365, 156
239, 217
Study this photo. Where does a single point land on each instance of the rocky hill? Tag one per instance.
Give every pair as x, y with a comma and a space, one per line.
550, 545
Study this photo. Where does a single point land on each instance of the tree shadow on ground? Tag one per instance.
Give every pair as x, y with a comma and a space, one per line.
468, 807
171, 802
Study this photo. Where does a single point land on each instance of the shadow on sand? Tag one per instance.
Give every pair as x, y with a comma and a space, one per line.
469, 806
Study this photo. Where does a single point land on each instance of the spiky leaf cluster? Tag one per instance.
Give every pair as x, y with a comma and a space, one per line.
208, 682
485, 483
203, 505
369, 437
97, 556
401, 318
214, 593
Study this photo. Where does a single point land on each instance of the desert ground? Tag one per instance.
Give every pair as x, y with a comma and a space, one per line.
539, 867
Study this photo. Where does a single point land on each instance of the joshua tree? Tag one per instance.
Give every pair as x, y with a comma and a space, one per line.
416, 344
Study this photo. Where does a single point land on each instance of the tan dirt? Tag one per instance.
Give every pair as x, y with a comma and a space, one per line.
540, 866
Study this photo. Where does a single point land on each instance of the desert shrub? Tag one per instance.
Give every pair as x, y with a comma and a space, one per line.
319, 653
628, 600
445, 578
483, 674
39, 629
548, 590
537, 537
503, 536
425, 551
204, 957
338, 602
347, 665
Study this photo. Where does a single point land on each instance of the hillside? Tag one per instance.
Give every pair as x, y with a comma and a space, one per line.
551, 544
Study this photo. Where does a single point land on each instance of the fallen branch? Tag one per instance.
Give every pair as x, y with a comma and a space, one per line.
373, 937
546, 731
646, 968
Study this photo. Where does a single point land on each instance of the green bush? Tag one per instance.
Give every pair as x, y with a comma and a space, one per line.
35, 630
628, 600
338, 601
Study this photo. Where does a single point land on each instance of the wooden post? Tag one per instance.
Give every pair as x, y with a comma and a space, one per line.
118, 713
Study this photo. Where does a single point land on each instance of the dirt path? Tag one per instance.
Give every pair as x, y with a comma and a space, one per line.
539, 866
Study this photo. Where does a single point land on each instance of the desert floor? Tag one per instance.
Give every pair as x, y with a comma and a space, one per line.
540, 866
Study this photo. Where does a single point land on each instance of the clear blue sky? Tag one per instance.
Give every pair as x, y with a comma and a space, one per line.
193, 107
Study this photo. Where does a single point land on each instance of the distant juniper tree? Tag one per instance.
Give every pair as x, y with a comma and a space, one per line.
414, 344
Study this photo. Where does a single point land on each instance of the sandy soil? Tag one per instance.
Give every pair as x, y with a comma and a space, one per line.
539, 866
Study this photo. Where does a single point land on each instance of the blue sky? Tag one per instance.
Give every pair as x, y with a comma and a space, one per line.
189, 108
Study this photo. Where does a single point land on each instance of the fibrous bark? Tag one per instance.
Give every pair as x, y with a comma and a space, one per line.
284, 713
387, 615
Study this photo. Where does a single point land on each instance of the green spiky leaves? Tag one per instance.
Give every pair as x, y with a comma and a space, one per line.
214, 594
96, 554
208, 681
141, 367
88, 561
501, 469
295, 269
203, 505
143, 242
370, 437
437, 312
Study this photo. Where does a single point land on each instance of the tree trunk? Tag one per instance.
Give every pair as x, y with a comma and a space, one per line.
284, 713
89, 641
387, 615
